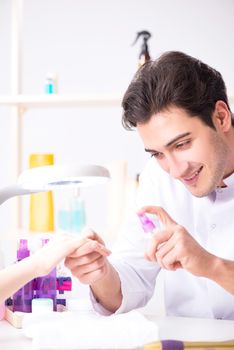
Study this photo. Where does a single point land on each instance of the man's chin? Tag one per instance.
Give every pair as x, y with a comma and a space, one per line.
198, 192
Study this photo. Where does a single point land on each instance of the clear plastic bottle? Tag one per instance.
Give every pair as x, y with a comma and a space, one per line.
64, 214
78, 214
72, 215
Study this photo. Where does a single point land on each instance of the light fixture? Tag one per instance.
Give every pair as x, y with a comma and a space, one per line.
47, 178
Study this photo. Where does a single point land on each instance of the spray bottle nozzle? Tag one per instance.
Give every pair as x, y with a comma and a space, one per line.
145, 34
144, 53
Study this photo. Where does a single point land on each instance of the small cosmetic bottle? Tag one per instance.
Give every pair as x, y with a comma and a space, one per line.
46, 286
51, 84
22, 299
41, 217
148, 225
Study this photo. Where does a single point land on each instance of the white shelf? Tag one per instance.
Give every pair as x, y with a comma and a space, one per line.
56, 100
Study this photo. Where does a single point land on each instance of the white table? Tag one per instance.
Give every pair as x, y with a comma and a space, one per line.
179, 328
12, 338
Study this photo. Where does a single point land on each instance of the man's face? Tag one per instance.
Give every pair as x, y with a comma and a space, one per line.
187, 149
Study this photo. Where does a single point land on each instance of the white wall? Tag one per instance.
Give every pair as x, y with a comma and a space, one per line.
88, 43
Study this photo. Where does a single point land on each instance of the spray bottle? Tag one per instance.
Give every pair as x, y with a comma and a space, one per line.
144, 53
149, 227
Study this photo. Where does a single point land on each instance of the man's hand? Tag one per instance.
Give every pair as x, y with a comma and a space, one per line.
59, 247
174, 247
88, 263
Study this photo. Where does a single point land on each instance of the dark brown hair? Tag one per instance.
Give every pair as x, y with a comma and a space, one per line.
174, 79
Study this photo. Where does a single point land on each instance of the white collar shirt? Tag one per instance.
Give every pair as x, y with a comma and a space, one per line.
209, 220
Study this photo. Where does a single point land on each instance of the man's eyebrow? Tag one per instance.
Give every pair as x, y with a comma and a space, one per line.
177, 138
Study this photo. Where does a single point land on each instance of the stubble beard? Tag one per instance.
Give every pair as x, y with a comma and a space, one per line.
216, 170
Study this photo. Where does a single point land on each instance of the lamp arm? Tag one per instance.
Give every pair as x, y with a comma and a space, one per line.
12, 191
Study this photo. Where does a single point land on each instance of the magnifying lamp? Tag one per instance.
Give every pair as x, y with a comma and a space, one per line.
47, 178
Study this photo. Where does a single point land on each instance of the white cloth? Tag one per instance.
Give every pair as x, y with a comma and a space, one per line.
87, 330
209, 220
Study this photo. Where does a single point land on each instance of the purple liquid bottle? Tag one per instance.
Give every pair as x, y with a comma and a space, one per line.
22, 299
46, 286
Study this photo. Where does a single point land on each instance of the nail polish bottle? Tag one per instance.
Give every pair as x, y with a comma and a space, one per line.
22, 299
46, 286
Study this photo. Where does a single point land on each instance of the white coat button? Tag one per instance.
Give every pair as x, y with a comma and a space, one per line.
213, 226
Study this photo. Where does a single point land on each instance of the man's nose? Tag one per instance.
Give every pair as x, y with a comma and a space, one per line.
177, 167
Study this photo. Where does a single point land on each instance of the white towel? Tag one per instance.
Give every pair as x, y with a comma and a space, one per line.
87, 330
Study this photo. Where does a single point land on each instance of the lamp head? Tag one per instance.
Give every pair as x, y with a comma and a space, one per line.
47, 178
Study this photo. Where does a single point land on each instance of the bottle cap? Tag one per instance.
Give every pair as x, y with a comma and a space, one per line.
36, 160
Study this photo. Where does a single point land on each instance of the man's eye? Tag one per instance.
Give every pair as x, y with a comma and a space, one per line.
183, 144
157, 155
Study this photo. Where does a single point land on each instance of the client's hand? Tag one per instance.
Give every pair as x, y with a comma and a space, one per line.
59, 246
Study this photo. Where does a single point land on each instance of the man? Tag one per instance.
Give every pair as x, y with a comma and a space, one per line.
180, 109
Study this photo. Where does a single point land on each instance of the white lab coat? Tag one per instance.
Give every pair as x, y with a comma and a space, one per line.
210, 220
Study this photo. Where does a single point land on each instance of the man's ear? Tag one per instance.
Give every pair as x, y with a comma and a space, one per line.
222, 117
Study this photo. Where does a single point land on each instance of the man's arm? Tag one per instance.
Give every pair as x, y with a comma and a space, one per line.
221, 271
107, 290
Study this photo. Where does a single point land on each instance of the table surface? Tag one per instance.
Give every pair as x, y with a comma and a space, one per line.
180, 328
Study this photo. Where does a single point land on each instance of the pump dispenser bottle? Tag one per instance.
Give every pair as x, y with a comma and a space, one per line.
144, 55
41, 204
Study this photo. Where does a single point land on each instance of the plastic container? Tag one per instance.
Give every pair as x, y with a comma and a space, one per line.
41, 204
42, 305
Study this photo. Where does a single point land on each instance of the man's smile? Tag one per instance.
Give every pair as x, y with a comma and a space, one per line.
192, 179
